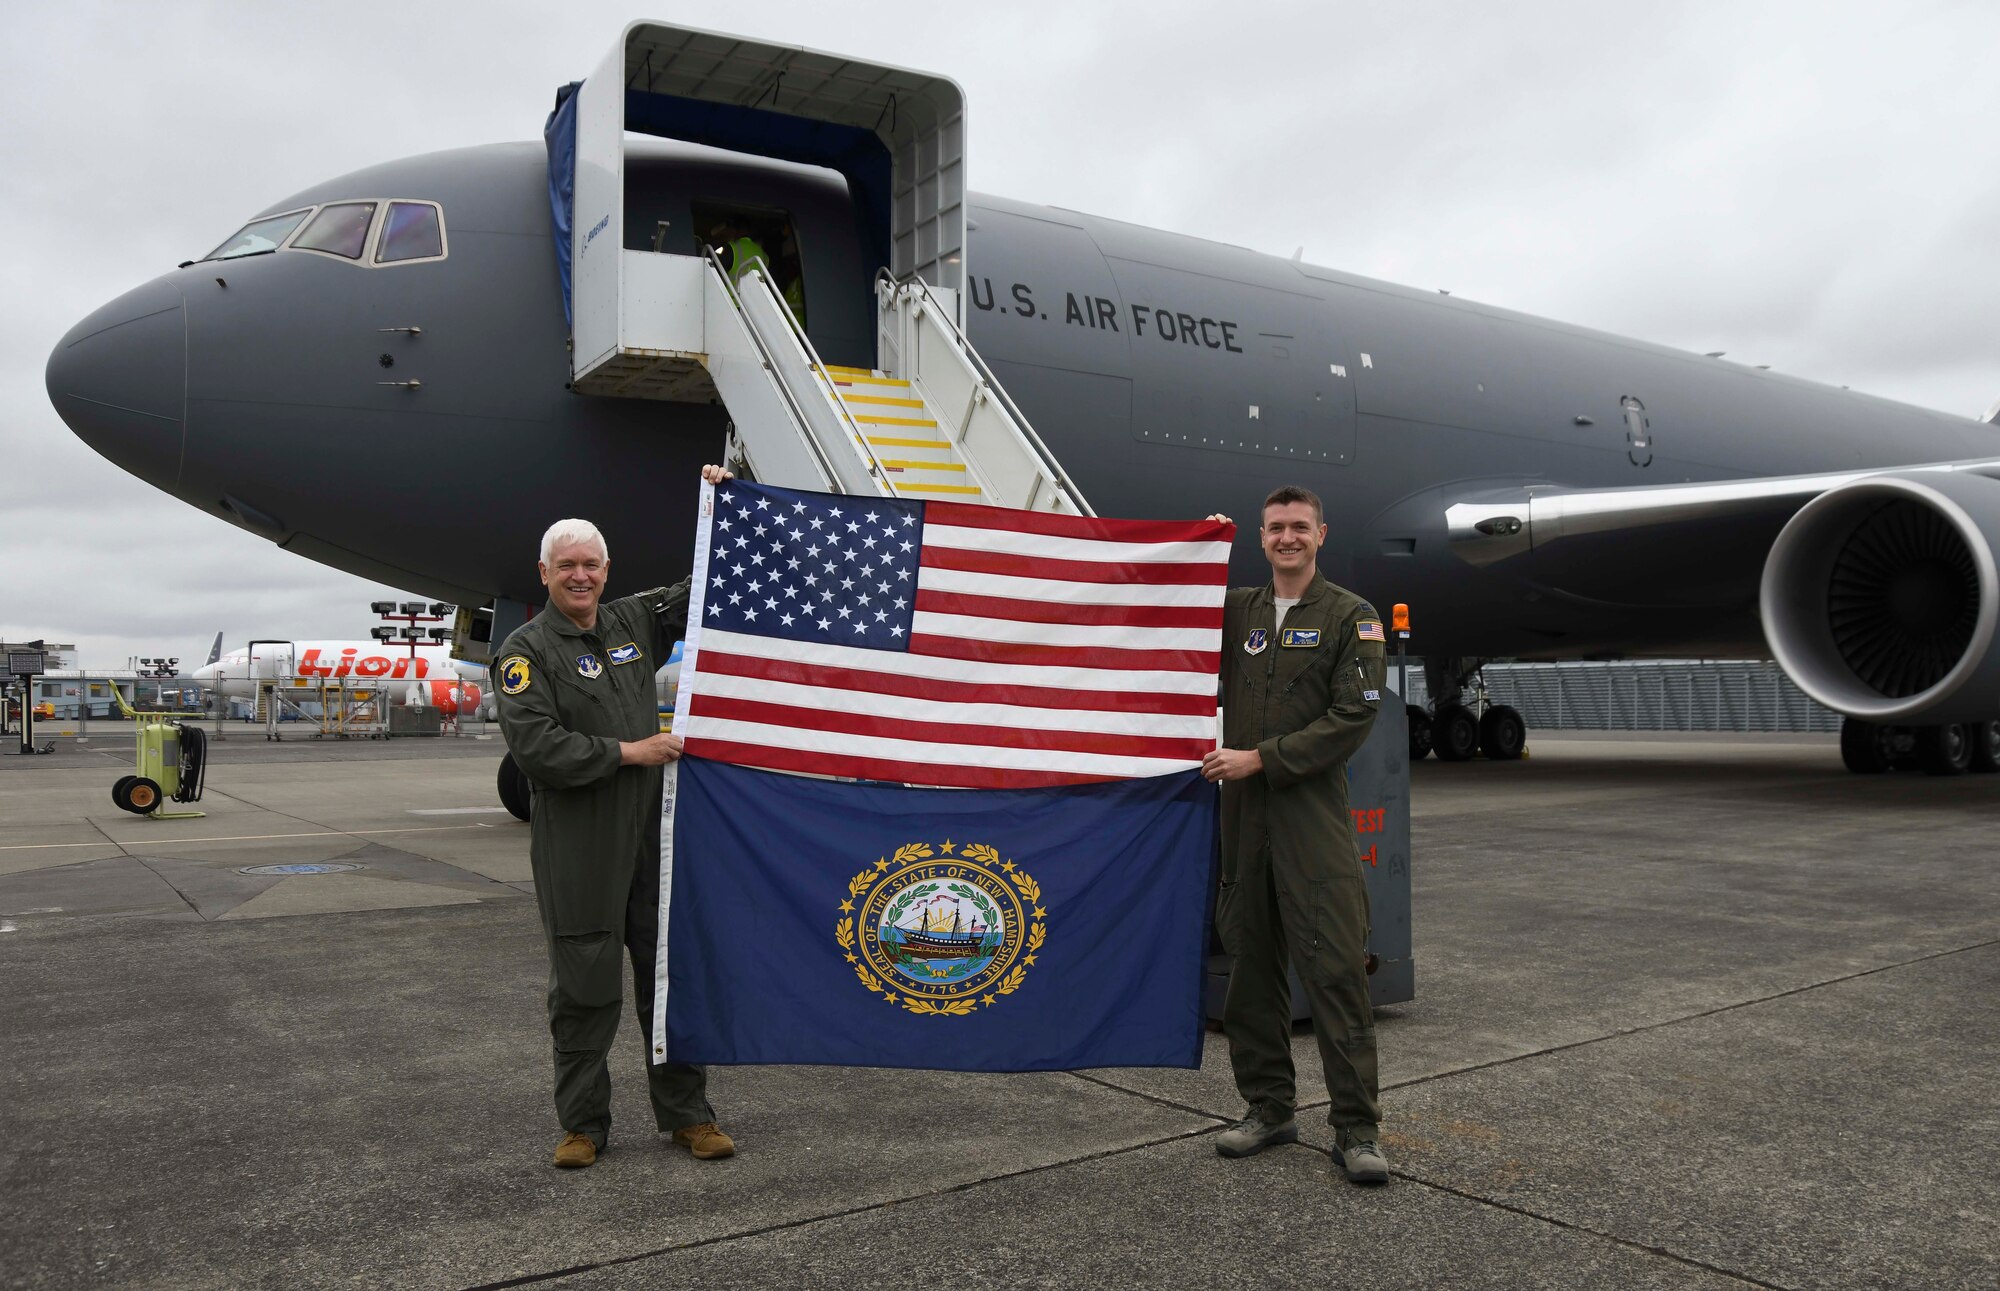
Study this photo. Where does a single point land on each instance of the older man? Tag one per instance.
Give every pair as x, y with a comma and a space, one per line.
579, 712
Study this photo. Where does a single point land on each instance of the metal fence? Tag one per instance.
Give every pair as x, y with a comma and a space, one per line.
1651, 695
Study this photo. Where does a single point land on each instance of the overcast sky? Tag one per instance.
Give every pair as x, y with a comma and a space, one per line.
1810, 185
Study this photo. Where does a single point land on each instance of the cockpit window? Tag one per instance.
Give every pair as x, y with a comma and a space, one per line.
412, 231
340, 229
259, 236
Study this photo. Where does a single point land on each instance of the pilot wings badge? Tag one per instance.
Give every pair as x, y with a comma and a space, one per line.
942, 935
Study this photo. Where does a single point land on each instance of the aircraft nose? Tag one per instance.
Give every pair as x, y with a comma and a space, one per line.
119, 380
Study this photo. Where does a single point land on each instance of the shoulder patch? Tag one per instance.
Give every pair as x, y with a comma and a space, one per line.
514, 674
1369, 630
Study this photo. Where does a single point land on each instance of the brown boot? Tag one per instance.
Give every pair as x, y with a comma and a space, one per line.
575, 1152
706, 1141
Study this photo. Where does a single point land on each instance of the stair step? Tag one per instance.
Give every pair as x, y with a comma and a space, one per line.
882, 400
896, 464
878, 420
958, 490
863, 379
889, 441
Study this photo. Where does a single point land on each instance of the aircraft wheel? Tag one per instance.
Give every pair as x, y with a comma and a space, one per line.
1502, 733
1420, 735
1454, 734
1866, 748
513, 786
1946, 749
1985, 747
136, 794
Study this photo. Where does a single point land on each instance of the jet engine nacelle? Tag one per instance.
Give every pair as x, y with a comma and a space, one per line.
1880, 598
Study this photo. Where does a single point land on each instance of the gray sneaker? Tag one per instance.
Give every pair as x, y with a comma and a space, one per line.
1360, 1157
1252, 1135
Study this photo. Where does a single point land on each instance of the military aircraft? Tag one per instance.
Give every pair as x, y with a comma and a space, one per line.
1533, 490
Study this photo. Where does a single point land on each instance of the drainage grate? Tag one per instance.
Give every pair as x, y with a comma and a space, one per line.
328, 867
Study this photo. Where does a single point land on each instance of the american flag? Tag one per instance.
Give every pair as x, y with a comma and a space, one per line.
941, 643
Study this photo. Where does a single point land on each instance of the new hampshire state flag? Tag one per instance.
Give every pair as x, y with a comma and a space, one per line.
882, 926
941, 803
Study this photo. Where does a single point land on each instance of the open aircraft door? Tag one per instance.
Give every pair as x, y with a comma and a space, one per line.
929, 420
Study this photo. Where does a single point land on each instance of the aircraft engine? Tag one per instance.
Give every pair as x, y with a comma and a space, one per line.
1880, 598
441, 697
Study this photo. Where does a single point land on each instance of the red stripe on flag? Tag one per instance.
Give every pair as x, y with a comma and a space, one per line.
1201, 661
995, 737
956, 692
972, 516
1123, 616
888, 769
1177, 573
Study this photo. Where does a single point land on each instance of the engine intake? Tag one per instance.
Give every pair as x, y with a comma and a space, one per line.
1880, 598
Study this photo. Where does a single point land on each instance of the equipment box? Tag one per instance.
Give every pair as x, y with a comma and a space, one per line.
415, 721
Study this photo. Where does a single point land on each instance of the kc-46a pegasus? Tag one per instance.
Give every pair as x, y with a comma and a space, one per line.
792, 271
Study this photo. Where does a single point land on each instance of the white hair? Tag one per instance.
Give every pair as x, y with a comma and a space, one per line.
570, 533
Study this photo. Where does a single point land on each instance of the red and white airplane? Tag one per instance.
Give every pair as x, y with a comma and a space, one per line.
426, 675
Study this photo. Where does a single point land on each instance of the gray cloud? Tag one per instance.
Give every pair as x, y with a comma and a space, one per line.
1805, 185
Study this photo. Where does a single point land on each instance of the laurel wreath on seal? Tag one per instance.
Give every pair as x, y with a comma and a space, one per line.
904, 857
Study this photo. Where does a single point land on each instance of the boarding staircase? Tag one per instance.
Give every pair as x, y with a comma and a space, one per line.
929, 420
931, 423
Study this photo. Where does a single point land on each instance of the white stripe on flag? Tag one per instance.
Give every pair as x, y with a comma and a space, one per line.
938, 667
1107, 636
1015, 543
1064, 591
903, 708
964, 755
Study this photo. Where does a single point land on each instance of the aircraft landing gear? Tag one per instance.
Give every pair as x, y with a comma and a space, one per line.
1946, 749
1420, 734
1503, 734
1454, 733
1954, 748
1462, 723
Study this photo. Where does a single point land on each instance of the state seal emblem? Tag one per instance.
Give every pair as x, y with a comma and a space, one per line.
942, 930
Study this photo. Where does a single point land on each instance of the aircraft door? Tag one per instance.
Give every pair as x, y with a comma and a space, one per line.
271, 660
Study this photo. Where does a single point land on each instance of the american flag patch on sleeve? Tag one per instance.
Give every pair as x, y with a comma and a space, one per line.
1368, 630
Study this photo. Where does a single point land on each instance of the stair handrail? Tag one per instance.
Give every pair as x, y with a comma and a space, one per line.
1050, 462
771, 366
875, 467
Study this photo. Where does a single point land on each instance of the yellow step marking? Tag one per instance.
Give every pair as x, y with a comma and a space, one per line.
898, 421
888, 400
926, 466
896, 382
850, 371
934, 488
884, 441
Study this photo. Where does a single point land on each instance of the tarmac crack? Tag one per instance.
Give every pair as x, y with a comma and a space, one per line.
128, 855
532, 1279
1151, 1098
1523, 1212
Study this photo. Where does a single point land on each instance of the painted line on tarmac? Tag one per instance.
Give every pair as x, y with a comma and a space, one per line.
458, 811
243, 838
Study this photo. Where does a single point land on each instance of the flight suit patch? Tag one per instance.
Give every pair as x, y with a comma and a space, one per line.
1368, 630
1257, 642
625, 653
588, 667
1300, 639
514, 674
1372, 696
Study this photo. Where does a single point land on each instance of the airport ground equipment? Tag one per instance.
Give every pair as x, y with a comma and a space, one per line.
929, 419
173, 765
24, 665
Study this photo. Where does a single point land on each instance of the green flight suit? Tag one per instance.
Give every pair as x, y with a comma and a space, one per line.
567, 698
1304, 697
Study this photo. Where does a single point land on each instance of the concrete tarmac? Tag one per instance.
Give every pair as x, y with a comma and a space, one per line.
1691, 1012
